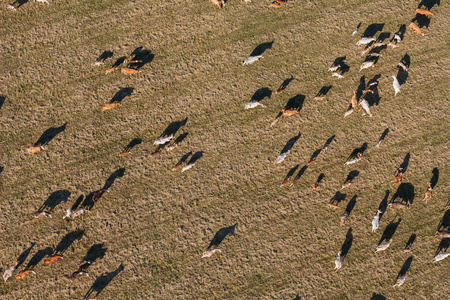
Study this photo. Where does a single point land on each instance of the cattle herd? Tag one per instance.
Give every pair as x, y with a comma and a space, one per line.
363, 98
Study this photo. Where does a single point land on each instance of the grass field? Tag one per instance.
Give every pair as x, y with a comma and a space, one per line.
148, 233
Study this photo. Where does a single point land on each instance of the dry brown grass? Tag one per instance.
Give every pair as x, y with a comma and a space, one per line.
157, 222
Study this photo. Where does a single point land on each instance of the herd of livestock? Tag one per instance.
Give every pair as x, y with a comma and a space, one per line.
362, 99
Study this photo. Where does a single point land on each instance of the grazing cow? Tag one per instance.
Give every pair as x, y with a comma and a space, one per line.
98, 194
52, 258
365, 108
73, 213
11, 7
109, 106
365, 41
383, 246
344, 218
428, 193
253, 104
424, 12
400, 281
219, 3
367, 64
177, 166
8, 273
124, 153
286, 181
24, 274
441, 256
281, 157
311, 161
210, 252
251, 59
336, 74
399, 205
40, 214
402, 65
111, 70
77, 274
187, 167
416, 28
338, 261
443, 234
399, 177
130, 70
35, 149
175, 145
163, 140
376, 221
347, 184
352, 161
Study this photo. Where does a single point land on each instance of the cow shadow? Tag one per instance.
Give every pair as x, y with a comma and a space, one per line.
405, 267
132, 144
68, 240
384, 204
443, 246
445, 222
405, 193
173, 128
2, 100
38, 256
23, 256
373, 98
181, 137
320, 178
314, 155
389, 231
361, 87
421, 20
384, 134
291, 172
340, 61
299, 174
54, 199
261, 48
184, 158
330, 139
361, 150
428, 4
405, 163
49, 135
290, 143
1, 170
19, 3
97, 251
401, 32
383, 36
102, 282
410, 241
347, 244
116, 174
351, 204
221, 235
434, 180
121, 94
77, 203
261, 94
324, 91
377, 297
285, 84
372, 29
402, 75
143, 55
196, 156
352, 175
337, 198
105, 55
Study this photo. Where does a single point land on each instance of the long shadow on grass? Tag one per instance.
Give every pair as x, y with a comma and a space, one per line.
290, 143
68, 240
360, 150
405, 193
377, 297
428, 4
405, 162
38, 257
97, 251
102, 282
389, 231
23, 256
299, 174
50, 134
324, 91
372, 29
54, 199
261, 48
405, 267
121, 94
116, 174
261, 94
410, 241
347, 244
132, 144
284, 85
2, 100
337, 198
434, 180
221, 235
104, 56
